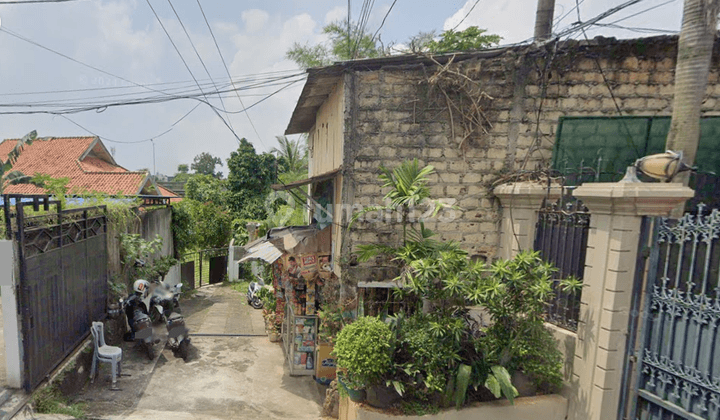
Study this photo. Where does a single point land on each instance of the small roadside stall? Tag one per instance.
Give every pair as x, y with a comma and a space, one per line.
301, 264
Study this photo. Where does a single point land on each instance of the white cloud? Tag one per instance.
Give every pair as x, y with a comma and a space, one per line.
336, 14
255, 19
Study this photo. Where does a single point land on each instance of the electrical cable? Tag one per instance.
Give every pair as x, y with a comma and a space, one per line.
143, 86
228, 71
136, 141
100, 108
466, 15
33, 1
577, 28
383, 21
222, 103
610, 90
190, 71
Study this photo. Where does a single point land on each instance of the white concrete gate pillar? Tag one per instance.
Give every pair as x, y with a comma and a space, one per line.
616, 214
11, 321
520, 203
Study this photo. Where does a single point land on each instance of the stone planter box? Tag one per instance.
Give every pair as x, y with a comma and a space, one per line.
545, 407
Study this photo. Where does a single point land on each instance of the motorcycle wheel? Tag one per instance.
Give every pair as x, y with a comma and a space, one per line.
150, 351
183, 349
256, 303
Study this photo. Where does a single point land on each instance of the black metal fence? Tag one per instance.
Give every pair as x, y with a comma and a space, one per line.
62, 286
207, 266
561, 237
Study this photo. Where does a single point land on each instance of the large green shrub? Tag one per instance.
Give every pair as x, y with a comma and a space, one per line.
364, 349
515, 294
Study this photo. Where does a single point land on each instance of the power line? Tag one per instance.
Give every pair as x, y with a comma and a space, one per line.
102, 107
33, 1
643, 11
222, 103
577, 28
383, 21
18, 36
246, 78
468, 14
228, 71
188, 68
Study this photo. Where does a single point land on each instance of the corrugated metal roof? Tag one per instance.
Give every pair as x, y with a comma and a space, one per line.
265, 251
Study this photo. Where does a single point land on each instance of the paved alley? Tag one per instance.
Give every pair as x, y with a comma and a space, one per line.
233, 371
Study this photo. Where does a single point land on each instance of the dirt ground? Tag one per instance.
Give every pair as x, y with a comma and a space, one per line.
233, 371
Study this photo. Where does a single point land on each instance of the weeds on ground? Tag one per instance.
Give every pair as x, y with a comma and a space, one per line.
188, 294
418, 408
50, 400
241, 286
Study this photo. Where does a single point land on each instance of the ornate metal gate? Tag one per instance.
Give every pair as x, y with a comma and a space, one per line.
63, 282
675, 370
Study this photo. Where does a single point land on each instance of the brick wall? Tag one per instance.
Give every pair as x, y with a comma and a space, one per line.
392, 114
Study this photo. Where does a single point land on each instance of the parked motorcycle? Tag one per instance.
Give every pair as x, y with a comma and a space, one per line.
138, 319
165, 306
253, 293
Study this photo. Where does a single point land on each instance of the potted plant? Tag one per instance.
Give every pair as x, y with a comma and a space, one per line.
363, 351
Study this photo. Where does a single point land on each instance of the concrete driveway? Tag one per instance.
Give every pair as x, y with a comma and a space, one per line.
230, 373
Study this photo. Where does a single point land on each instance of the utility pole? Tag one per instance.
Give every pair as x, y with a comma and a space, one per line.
544, 19
697, 36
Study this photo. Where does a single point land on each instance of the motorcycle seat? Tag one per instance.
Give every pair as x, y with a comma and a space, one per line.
174, 316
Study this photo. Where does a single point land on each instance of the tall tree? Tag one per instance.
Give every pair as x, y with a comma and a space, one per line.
292, 154
249, 179
205, 163
183, 168
695, 46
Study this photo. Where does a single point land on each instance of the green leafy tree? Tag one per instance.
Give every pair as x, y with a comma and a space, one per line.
344, 45
472, 38
249, 180
204, 188
7, 175
205, 164
183, 168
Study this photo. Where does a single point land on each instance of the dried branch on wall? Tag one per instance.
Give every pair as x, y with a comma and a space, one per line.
465, 100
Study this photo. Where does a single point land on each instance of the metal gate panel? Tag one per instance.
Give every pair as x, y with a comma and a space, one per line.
218, 269
62, 287
677, 374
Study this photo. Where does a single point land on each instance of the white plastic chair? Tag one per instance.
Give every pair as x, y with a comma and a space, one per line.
105, 353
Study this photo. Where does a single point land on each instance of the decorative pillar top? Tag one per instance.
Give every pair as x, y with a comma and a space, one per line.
634, 198
526, 195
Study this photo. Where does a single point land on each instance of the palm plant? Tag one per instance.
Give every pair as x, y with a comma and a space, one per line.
408, 189
293, 152
7, 175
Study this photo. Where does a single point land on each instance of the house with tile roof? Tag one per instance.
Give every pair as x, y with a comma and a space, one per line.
85, 161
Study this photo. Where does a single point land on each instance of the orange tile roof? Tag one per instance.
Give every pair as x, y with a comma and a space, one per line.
167, 193
72, 157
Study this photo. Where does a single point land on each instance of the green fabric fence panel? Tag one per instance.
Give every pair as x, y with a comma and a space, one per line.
613, 143
599, 149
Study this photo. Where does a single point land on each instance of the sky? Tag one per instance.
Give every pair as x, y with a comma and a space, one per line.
115, 51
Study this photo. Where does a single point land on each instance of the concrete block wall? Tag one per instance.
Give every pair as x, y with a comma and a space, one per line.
392, 114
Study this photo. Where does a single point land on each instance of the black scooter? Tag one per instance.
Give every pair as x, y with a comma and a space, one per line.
165, 306
140, 324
